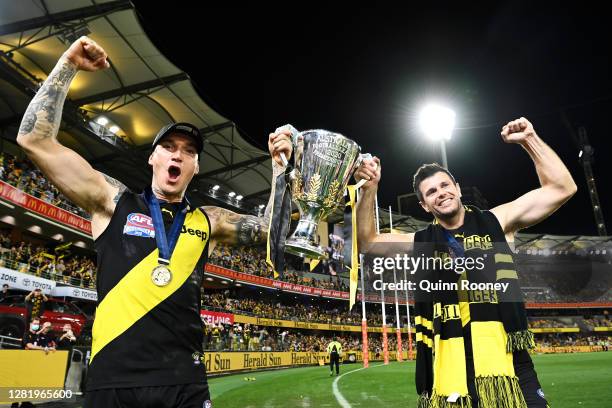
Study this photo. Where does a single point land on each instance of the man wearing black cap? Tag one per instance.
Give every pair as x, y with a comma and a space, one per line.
152, 247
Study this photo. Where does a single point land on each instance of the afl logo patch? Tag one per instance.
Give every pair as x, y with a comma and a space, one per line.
207, 404
540, 392
139, 225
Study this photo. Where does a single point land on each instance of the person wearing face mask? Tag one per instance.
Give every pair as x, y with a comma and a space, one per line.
152, 248
31, 335
39, 337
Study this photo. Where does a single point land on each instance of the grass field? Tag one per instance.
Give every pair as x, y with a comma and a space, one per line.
581, 380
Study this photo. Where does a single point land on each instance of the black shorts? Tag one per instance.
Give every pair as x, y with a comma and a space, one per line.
165, 396
528, 381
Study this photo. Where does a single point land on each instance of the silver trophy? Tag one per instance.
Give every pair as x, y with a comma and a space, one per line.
323, 165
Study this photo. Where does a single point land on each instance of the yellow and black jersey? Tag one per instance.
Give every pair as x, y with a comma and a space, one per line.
143, 334
36, 306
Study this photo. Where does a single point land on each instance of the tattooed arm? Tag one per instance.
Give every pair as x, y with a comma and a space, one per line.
236, 229
239, 229
72, 175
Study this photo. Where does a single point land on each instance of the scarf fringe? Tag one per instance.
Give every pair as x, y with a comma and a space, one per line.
441, 401
423, 401
499, 392
520, 340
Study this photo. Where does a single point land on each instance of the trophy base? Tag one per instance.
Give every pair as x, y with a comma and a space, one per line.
304, 249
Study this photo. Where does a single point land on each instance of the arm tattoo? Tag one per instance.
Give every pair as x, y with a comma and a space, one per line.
44, 113
238, 229
241, 229
117, 184
251, 230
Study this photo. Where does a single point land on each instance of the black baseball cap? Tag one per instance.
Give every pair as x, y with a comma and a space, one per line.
184, 128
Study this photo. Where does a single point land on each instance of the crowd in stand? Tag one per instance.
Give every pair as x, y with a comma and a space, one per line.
599, 321
549, 323
22, 174
48, 264
252, 260
572, 340
247, 337
276, 309
266, 307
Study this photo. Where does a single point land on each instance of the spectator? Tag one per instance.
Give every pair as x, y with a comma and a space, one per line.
60, 268
22, 174
38, 338
67, 340
35, 301
6, 292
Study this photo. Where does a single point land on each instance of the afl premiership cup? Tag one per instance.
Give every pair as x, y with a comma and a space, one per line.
324, 162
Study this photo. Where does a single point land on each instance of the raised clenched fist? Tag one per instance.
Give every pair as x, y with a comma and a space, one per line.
87, 55
280, 142
369, 170
517, 131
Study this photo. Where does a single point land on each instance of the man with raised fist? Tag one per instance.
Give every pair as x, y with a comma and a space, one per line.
152, 247
481, 339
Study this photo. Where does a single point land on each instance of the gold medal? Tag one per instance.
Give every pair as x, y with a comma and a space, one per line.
161, 275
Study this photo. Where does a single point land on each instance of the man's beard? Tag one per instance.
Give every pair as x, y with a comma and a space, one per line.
449, 215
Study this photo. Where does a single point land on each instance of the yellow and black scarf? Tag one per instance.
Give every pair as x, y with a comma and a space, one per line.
498, 323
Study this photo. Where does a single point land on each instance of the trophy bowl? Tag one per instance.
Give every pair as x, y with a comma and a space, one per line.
324, 162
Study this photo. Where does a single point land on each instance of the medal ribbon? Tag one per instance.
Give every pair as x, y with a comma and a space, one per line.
165, 245
456, 248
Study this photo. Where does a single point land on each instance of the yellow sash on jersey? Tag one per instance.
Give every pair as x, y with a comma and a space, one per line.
135, 294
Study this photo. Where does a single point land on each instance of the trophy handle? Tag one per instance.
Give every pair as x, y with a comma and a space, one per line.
360, 160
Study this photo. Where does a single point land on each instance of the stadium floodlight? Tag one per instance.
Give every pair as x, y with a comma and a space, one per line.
114, 129
215, 187
102, 120
239, 197
231, 194
438, 122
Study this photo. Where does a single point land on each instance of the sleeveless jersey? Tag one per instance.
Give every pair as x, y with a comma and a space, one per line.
143, 334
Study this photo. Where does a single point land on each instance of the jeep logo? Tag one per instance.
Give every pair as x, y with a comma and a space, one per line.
198, 233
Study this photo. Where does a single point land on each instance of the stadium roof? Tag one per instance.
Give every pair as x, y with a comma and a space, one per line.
141, 92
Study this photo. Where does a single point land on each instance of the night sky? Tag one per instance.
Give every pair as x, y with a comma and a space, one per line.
366, 72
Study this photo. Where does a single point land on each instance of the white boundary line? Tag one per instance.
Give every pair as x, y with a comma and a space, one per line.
341, 400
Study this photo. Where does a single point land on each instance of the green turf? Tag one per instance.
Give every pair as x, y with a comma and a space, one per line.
569, 380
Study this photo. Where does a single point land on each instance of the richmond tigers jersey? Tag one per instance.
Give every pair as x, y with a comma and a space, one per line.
143, 334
